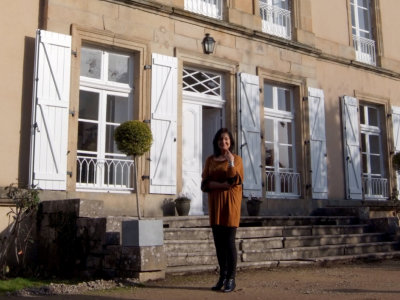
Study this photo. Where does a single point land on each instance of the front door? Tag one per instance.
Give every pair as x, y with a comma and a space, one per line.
200, 123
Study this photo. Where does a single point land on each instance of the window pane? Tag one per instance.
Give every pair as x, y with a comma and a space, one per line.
91, 63
118, 68
88, 105
269, 155
363, 142
118, 109
374, 144
362, 114
111, 146
284, 100
87, 136
375, 164
363, 19
372, 116
284, 132
269, 130
268, 100
364, 163
285, 157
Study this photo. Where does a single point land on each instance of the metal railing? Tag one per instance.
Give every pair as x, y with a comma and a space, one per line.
283, 183
209, 8
375, 188
365, 50
276, 21
104, 174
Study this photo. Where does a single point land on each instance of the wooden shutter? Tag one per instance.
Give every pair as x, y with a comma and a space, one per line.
163, 124
352, 152
48, 159
396, 135
250, 133
316, 111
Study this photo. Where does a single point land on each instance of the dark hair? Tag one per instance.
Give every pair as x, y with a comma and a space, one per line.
217, 136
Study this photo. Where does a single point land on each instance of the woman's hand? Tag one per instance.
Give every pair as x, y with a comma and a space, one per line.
229, 156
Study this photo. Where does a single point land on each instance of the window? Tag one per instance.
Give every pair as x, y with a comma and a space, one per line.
105, 101
374, 185
209, 8
363, 42
276, 18
280, 164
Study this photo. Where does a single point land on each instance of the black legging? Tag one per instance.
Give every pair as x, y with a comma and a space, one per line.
224, 240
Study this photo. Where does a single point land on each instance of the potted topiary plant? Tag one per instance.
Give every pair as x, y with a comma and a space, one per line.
253, 205
134, 138
182, 204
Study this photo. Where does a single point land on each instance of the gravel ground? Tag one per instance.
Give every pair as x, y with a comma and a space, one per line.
367, 281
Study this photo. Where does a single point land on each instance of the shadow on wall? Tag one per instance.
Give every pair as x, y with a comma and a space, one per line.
26, 111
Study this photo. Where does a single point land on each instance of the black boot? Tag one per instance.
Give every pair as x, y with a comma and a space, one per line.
229, 285
218, 286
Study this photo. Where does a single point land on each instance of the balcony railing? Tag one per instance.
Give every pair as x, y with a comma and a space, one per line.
276, 20
375, 188
209, 8
105, 174
283, 183
365, 50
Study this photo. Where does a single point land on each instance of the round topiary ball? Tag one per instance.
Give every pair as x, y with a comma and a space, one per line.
133, 138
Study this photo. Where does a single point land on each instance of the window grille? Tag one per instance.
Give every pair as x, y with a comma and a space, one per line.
202, 82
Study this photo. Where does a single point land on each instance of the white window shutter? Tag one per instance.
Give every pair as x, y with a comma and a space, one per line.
316, 111
396, 134
48, 157
249, 141
163, 124
352, 152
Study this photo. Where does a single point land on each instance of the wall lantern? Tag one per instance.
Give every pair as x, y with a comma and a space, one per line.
208, 44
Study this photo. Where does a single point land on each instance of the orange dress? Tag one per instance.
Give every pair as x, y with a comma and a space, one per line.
224, 205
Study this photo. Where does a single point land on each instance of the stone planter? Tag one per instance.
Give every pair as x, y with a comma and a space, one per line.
182, 206
253, 207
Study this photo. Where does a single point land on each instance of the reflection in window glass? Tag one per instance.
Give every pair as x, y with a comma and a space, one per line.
372, 116
269, 155
269, 130
87, 136
374, 144
91, 63
111, 146
375, 164
268, 100
284, 100
88, 105
285, 157
362, 114
118, 67
284, 132
118, 109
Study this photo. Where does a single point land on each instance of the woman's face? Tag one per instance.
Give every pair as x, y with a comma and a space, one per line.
224, 142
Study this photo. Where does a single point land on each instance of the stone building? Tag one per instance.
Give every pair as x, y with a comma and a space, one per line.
309, 88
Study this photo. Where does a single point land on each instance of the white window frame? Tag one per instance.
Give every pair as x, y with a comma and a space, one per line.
274, 13
277, 116
372, 182
363, 45
209, 8
104, 88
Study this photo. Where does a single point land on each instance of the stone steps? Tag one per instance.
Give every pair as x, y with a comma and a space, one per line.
276, 241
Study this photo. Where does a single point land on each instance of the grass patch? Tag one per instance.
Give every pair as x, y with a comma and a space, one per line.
18, 283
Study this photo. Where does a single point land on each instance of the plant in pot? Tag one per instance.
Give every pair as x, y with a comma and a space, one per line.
168, 207
253, 205
182, 204
134, 138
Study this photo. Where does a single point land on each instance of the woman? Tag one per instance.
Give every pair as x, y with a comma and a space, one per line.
222, 179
